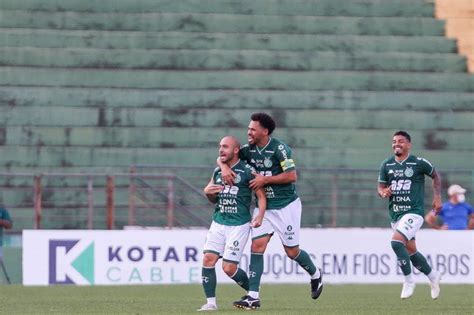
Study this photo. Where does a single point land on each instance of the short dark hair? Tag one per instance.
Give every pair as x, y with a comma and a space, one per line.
403, 134
265, 120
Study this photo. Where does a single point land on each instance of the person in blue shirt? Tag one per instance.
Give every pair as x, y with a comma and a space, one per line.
456, 214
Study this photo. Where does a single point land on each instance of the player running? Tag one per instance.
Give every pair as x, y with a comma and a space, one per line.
231, 221
277, 174
402, 180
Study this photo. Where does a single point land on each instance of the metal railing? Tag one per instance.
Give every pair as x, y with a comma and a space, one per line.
171, 196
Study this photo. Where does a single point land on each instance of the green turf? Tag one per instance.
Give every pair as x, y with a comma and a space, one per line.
276, 299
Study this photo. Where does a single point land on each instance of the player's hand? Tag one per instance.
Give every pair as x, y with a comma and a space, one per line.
228, 176
258, 182
443, 227
437, 204
257, 221
213, 189
386, 192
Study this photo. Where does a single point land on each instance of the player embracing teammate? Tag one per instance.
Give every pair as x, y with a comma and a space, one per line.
276, 173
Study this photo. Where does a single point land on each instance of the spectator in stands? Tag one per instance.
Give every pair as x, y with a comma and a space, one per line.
5, 222
456, 214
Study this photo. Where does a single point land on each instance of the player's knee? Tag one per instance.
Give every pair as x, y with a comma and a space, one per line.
259, 245
293, 252
209, 260
229, 268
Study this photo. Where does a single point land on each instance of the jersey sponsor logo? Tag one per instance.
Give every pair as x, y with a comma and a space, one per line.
283, 152
398, 173
400, 185
402, 199
401, 208
409, 172
390, 172
269, 193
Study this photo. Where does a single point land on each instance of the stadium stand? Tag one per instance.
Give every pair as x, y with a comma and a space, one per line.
102, 85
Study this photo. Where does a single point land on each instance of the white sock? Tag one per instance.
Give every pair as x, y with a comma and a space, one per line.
254, 294
211, 300
432, 275
409, 278
316, 275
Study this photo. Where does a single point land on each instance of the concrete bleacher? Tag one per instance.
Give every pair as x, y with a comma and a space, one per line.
89, 85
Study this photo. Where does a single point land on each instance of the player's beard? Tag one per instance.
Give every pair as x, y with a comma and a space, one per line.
398, 151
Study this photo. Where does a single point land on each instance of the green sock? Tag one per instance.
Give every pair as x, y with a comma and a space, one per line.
255, 271
240, 277
420, 263
403, 257
209, 281
305, 262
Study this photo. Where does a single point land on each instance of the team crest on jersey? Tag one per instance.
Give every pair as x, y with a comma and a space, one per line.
409, 172
267, 162
237, 179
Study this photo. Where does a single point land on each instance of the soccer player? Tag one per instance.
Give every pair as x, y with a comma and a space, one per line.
231, 222
277, 174
402, 181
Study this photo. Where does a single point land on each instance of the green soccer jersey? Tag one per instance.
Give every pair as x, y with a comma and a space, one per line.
4, 215
273, 159
406, 179
233, 202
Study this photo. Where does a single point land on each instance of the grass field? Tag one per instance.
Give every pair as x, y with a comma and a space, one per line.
276, 299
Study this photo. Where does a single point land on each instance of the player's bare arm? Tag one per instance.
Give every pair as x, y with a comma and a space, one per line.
431, 220
437, 202
6, 224
211, 191
226, 172
284, 178
262, 206
384, 191
471, 222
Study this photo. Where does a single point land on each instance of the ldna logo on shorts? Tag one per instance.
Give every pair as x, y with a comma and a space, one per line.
236, 243
289, 228
71, 262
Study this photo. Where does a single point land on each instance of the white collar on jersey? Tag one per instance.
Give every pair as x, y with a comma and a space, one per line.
266, 145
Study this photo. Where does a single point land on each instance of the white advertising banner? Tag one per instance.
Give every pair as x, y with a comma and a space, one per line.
174, 256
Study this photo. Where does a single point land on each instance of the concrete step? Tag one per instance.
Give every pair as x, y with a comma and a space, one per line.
251, 99
187, 40
229, 59
257, 7
279, 80
222, 23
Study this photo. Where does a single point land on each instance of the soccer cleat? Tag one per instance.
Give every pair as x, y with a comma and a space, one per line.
407, 290
317, 286
434, 284
247, 303
208, 307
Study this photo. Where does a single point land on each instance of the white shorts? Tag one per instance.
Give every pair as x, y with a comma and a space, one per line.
408, 225
227, 241
285, 222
